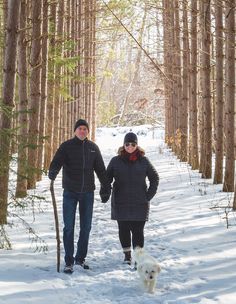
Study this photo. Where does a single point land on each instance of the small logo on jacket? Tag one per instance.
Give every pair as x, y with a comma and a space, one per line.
92, 151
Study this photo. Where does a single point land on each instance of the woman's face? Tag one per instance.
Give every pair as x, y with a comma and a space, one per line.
130, 147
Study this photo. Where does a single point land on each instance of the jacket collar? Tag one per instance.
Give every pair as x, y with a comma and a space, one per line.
79, 141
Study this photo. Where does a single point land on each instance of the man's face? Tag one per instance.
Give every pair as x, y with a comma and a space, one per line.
81, 132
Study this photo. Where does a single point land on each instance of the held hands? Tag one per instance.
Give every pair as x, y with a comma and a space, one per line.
105, 194
105, 197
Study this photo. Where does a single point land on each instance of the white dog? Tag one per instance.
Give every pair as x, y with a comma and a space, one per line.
148, 269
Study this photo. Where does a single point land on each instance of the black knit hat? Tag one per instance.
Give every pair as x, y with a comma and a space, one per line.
131, 137
81, 122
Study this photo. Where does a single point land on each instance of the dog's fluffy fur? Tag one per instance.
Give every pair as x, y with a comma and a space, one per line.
148, 269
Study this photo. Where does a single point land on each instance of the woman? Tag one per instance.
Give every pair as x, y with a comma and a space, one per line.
130, 196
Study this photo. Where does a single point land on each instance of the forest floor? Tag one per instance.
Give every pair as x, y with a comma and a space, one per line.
187, 233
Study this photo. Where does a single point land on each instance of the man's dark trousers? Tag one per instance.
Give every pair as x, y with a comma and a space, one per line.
70, 201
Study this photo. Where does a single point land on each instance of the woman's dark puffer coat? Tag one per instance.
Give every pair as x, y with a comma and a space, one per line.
130, 195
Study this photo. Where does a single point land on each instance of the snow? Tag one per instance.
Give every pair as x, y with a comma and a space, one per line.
187, 233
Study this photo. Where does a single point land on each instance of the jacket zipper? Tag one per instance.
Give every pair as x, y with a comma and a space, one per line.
83, 169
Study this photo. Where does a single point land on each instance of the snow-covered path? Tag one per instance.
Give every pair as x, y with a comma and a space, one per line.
195, 250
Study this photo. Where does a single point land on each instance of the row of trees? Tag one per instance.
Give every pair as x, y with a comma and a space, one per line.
146, 53
48, 81
49, 51
129, 89
199, 62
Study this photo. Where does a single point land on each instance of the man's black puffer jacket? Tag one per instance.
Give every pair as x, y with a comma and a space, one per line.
79, 160
131, 197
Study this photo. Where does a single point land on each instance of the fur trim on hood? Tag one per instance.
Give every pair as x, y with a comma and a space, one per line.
121, 151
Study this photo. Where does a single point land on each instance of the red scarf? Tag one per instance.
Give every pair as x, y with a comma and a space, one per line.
132, 156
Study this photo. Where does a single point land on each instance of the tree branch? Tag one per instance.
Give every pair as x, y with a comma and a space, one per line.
136, 41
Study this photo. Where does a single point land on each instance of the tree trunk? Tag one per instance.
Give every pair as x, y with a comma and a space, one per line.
206, 87
177, 92
51, 85
200, 106
68, 100
43, 103
21, 187
5, 13
35, 93
87, 59
194, 157
8, 104
167, 70
3, 21
80, 52
93, 53
185, 92
219, 107
73, 54
59, 44
139, 54
229, 95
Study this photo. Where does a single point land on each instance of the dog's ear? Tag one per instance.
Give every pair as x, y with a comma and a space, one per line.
158, 268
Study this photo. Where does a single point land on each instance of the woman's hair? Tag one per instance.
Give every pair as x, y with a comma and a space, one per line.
121, 151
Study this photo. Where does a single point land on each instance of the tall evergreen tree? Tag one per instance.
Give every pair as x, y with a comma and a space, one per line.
8, 103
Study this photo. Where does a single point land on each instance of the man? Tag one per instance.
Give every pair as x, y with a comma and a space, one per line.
79, 158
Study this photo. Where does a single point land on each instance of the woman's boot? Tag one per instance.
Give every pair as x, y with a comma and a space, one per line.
127, 259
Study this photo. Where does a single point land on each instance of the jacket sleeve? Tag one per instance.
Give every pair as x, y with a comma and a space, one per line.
105, 191
100, 170
153, 178
110, 173
57, 162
